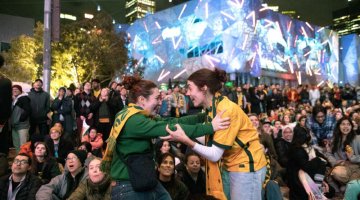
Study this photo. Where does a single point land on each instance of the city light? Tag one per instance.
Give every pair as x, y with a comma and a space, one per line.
67, 16
88, 16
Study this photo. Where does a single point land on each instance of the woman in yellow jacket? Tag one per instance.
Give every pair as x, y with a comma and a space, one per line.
236, 149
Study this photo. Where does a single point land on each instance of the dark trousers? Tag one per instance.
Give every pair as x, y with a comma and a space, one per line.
41, 128
5, 139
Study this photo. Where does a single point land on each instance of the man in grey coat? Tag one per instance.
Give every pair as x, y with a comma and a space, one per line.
61, 186
20, 115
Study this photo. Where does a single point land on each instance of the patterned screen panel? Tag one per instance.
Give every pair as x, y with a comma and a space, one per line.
235, 35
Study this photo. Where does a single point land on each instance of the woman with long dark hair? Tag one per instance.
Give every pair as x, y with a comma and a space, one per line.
344, 152
166, 171
304, 158
43, 165
162, 147
238, 147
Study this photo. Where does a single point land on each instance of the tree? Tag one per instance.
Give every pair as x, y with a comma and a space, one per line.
89, 48
24, 58
97, 51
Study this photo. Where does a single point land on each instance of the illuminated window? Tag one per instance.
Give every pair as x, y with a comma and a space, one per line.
88, 16
67, 16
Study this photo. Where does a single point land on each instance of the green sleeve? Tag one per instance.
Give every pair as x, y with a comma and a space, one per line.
190, 119
140, 126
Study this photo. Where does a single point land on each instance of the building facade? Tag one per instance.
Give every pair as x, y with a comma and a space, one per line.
136, 9
347, 20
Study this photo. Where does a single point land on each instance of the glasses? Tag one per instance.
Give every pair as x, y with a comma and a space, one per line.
21, 162
69, 159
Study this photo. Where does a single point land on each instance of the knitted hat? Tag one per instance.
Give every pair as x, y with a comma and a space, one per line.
18, 87
55, 128
81, 155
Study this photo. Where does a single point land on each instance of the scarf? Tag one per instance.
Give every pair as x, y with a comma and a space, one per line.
214, 186
120, 120
99, 189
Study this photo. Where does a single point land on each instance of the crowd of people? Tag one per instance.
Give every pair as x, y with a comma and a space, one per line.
207, 140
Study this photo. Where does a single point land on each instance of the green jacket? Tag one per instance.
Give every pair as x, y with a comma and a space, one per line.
138, 131
92, 191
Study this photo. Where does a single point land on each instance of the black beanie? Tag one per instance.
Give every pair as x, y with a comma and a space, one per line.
81, 155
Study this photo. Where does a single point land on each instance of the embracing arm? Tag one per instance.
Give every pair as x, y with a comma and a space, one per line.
212, 153
146, 127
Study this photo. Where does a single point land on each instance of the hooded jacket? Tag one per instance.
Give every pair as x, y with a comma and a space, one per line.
21, 111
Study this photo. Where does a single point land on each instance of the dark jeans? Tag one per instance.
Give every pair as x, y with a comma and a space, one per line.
124, 190
42, 127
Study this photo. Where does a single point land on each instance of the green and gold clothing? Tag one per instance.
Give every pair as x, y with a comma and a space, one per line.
243, 151
139, 129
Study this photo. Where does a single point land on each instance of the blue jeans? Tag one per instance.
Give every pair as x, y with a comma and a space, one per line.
247, 185
124, 190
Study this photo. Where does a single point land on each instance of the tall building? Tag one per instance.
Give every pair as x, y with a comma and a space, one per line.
347, 20
136, 9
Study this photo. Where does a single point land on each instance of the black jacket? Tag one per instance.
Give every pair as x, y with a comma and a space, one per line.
197, 187
282, 149
111, 107
5, 99
299, 159
65, 147
40, 105
48, 170
273, 101
63, 107
27, 190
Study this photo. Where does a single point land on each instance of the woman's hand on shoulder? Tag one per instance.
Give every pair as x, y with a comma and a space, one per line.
220, 123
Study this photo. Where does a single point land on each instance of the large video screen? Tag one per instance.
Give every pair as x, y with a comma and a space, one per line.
235, 35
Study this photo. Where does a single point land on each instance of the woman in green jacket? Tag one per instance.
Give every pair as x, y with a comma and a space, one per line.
132, 132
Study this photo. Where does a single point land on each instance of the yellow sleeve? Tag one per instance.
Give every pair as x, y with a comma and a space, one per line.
226, 138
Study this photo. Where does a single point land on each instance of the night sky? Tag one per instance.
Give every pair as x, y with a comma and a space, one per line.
318, 12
